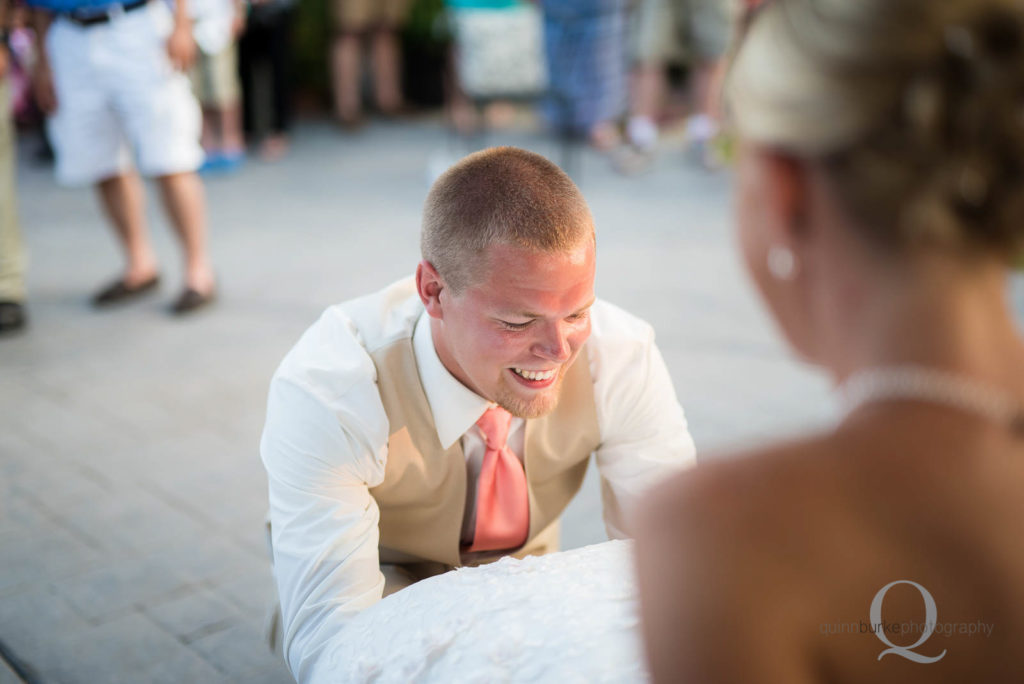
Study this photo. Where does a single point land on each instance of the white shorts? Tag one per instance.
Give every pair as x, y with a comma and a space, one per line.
117, 92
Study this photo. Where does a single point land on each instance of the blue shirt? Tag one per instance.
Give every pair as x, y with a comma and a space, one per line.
75, 6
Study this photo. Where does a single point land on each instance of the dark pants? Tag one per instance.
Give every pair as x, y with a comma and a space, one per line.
266, 43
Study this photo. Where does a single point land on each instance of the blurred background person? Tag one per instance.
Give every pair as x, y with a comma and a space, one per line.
12, 252
586, 43
356, 22
486, 35
696, 34
216, 27
21, 54
111, 79
265, 63
880, 208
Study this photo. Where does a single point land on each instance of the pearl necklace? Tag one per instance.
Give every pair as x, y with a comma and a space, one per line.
918, 383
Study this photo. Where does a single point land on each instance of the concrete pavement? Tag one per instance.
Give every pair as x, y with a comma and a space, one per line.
132, 493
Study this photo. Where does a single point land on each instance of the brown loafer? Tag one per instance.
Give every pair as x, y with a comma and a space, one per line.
190, 300
118, 291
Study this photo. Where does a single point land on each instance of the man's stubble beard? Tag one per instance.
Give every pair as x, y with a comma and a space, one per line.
528, 409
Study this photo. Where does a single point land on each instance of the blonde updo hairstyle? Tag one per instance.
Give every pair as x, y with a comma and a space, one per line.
913, 108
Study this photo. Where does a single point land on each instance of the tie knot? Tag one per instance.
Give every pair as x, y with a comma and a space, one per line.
494, 424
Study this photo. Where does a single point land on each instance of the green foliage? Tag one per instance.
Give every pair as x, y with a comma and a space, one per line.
426, 28
310, 41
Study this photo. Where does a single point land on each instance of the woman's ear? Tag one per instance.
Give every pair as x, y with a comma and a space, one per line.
429, 286
787, 195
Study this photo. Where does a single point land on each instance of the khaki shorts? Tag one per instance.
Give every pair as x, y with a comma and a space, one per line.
215, 77
682, 30
12, 253
355, 16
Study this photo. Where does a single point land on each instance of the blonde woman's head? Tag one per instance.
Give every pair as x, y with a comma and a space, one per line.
912, 109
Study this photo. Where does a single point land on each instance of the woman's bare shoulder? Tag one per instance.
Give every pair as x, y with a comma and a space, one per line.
764, 519
747, 487
756, 525
719, 549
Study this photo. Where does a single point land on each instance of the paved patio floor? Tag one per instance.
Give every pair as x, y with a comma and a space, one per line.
132, 496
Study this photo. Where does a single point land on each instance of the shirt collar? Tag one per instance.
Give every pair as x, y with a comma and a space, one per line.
455, 407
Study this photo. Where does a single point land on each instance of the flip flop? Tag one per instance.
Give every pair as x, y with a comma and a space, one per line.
118, 291
190, 300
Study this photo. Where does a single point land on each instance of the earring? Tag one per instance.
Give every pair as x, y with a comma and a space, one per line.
781, 262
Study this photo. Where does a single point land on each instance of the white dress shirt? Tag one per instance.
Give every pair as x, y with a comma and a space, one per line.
324, 446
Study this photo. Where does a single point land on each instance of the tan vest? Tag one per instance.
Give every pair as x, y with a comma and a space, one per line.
423, 497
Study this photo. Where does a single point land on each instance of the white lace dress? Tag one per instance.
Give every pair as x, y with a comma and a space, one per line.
566, 617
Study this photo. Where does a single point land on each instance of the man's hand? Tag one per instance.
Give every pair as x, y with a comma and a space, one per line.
5, 58
238, 20
237, 26
42, 86
181, 46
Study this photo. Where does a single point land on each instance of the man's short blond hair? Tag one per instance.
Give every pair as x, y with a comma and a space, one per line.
501, 195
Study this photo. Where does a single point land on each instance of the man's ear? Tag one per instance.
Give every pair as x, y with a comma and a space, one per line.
429, 286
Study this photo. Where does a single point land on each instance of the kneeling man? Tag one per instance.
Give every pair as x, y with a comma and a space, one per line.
448, 419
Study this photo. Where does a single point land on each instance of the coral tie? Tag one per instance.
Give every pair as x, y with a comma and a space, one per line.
502, 502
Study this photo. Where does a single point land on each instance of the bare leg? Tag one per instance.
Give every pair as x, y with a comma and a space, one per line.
209, 137
707, 85
232, 140
345, 71
648, 94
461, 111
604, 136
123, 199
274, 147
387, 70
704, 124
648, 90
185, 204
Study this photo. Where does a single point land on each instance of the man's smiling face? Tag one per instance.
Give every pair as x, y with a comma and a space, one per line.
512, 334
